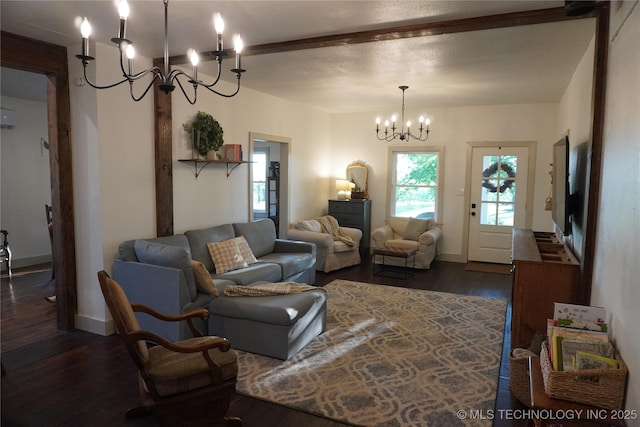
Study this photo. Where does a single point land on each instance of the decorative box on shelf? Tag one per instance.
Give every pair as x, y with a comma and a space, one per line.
232, 152
603, 388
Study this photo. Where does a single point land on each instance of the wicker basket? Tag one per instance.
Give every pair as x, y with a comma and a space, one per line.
603, 388
519, 378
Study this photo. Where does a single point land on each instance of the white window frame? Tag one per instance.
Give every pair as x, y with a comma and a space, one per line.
391, 169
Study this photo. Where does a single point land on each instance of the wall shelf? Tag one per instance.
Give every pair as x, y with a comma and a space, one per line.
199, 164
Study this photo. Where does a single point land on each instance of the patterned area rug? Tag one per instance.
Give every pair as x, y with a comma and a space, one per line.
390, 357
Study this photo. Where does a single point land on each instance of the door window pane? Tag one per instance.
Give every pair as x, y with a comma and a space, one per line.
498, 190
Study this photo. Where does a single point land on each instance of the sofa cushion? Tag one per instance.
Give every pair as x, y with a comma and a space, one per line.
415, 227
204, 282
290, 263
231, 254
284, 310
167, 256
198, 240
261, 235
266, 271
126, 250
309, 225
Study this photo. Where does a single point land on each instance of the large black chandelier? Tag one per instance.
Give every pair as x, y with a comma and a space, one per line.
402, 135
166, 79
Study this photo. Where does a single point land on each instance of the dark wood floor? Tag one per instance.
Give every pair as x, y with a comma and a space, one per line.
57, 378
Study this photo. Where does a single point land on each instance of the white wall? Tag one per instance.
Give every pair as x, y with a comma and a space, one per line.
354, 138
215, 199
26, 182
615, 284
113, 177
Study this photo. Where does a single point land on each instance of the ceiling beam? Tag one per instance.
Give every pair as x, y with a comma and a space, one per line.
422, 29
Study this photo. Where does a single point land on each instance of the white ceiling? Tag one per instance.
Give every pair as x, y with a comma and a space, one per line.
525, 64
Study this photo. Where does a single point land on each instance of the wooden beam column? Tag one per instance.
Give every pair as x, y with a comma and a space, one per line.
163, 159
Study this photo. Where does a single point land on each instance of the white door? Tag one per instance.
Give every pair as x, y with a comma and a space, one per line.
498, 201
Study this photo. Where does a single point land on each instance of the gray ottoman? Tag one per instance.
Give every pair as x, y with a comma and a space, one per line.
275, 326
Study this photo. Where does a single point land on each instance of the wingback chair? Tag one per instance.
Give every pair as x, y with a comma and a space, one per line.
189, 382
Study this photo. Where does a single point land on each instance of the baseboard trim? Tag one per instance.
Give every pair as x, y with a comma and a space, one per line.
452, 258
95, 326
29, 261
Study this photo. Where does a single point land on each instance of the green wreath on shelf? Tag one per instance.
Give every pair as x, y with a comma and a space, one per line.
206, 133
506, 183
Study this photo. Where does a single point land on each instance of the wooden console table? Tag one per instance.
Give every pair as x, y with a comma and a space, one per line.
545, 271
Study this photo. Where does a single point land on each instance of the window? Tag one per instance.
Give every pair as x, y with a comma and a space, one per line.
259, 172
415, 186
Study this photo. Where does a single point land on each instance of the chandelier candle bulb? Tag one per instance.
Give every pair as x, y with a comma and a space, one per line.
131, 53
238, 47
85, 30
123, 11
218, 24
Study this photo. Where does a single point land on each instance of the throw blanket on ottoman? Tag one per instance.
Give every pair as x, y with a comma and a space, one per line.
267, 289
330, 226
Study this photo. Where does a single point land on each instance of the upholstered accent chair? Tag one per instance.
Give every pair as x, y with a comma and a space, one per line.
183, 383
420, 235
331, 252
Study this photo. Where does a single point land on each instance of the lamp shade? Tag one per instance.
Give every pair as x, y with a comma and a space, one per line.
343, 187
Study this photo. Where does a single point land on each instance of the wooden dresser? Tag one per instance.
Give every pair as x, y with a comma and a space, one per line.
544, 271
355, 214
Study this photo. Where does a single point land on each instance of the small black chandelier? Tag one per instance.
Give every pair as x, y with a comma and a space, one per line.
402, 135
165, 78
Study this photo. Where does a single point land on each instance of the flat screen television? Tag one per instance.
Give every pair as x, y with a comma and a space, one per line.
562, 200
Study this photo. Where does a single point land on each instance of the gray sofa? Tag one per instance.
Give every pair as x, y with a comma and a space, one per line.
166, 281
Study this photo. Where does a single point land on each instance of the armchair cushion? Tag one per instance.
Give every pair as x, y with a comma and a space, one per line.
204, 282
415, 228
231, 254
173, 372
167, 256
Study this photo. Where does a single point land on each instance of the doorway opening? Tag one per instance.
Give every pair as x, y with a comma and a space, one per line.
26, 54
268, 179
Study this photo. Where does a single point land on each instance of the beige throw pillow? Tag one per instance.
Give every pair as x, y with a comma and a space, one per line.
231, 254
415, 228
204, 282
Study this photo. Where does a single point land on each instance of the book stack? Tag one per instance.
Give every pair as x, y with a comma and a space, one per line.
578, 338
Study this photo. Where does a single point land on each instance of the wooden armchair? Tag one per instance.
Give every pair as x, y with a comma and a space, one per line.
189, 382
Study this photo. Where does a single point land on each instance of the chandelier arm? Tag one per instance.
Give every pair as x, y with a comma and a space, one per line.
195, 91
145, 91
95, 86
215, 82
224, 94
155, 70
